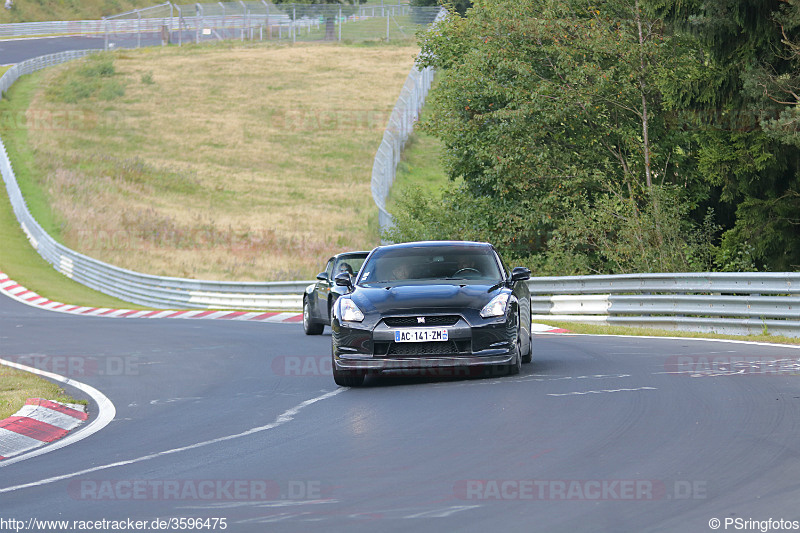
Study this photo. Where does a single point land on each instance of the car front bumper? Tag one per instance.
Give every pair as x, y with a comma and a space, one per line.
491, 343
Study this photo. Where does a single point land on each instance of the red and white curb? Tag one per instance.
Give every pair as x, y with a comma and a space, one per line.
16, 291
39, 422
544, 328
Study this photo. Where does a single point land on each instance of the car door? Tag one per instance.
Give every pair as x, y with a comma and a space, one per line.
322, 292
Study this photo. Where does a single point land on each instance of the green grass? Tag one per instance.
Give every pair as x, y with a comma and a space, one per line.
21, 263
601, 329
18, 259
41, 10
17, 386
420, 167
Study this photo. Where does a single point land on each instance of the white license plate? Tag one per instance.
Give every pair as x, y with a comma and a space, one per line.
420, 335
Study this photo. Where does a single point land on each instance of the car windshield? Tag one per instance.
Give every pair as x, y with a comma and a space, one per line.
431, 263
349, 263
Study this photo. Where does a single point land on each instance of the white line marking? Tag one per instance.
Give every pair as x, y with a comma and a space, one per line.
105, 416
602, 391
286, 416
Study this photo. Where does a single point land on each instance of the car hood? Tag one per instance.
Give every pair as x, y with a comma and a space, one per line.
430, 298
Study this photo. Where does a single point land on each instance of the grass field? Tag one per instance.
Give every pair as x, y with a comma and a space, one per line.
39, 10
17, 386
241, 162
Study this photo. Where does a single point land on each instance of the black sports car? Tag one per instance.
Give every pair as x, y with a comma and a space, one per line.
431, 304
319, 296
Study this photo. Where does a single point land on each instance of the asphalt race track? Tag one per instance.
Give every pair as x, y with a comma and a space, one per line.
17, 50
598, 434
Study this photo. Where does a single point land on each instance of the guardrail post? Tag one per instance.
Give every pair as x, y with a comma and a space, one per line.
294, 21
180, 30
223, 14
340, 23
138, 29
198, 21
246, 26
105, 46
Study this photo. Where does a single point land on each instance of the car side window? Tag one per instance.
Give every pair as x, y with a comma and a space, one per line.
329, 269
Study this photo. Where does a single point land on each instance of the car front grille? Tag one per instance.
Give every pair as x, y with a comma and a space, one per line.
413, 322
421, 349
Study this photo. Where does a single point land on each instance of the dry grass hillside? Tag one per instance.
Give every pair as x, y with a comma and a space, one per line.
240, 163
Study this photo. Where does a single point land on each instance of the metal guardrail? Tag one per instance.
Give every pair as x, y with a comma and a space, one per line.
725, 302
143, 289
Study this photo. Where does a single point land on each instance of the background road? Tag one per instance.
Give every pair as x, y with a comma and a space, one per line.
16, 50
407, 453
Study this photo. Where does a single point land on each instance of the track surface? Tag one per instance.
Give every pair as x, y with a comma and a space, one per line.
16, 50
400, 453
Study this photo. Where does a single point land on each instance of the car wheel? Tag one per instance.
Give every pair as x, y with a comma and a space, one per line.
347, 378
516, 366
529, 357
310, 327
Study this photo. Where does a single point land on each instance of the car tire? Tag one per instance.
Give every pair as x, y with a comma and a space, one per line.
347, 378
516, 365
309, 327
529, 357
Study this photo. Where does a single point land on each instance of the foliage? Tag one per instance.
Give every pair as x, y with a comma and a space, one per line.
543, 108
744, 117
622, 135
457, 6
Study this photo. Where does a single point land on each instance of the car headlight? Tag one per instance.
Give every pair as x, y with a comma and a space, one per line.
497, 307
350, 311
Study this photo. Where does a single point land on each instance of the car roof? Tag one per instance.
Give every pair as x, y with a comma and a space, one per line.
418, 244
350, 254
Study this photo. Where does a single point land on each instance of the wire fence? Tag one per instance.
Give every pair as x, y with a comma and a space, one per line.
401, 123
254, 20
262, 21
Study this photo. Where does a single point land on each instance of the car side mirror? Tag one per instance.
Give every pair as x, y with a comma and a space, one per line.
343, 279
520, 274
322, 276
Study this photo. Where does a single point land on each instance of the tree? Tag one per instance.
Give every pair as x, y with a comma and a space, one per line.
459, 6
329, 9
743, 112
550, 108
